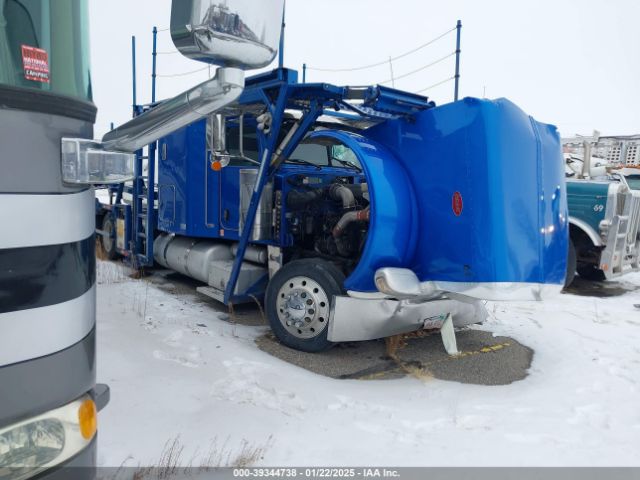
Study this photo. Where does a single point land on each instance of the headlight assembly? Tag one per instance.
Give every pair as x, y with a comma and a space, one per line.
35, 444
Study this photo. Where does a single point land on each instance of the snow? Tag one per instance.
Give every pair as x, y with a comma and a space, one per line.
177, 369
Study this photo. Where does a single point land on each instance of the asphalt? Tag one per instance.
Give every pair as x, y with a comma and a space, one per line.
483, 359
607, 289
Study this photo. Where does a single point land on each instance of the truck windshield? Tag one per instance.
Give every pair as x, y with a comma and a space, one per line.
634, 182
44, 46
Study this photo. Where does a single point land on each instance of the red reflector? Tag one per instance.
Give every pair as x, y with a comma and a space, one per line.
456, 204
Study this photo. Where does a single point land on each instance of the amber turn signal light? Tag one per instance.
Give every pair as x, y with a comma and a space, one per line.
88, 419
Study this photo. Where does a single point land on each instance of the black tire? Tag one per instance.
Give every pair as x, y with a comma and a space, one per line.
301, 293
572, 263
109, 244
590, 272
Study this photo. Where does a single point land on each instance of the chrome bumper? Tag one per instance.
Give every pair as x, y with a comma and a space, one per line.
356, 319
622, 252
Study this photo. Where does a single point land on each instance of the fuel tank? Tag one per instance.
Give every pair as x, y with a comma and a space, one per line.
471, 196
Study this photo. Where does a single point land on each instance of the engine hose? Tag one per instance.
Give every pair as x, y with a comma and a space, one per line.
348, 218
297, 199
358, 189
342, 194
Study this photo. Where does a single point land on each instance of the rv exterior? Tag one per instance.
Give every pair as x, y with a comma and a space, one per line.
48, 394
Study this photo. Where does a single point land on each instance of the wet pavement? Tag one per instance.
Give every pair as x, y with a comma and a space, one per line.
483, 359
606, 289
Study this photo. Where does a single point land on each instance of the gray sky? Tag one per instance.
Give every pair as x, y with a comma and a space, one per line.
572, 63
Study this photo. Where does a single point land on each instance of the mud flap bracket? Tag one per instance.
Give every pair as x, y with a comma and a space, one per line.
449, 336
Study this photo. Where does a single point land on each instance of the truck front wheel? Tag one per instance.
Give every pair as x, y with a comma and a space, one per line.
590, 272
298, 301
571, 265
108, 239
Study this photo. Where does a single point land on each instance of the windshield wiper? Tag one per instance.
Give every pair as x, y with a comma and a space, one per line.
348, 164
303, 162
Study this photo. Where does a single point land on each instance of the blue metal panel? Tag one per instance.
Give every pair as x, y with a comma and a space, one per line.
181, 182
391, 240
554, 210
390, 100
228, 190
172, 180
507, 169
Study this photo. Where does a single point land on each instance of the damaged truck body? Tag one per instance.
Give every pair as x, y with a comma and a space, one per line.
354, 213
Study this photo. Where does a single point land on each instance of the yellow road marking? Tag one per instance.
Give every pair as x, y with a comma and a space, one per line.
424, 373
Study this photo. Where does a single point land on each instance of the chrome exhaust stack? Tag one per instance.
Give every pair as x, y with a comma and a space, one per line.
178, 112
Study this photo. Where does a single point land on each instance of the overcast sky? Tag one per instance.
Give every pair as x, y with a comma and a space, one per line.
572, 63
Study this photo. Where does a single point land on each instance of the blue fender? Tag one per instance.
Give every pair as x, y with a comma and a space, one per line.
391, 241
490, 192
470, 193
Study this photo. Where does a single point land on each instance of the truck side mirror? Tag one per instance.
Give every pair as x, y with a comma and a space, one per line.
237, 35
230, 33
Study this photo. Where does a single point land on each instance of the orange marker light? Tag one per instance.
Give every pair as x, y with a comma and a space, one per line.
88, 419
216, 166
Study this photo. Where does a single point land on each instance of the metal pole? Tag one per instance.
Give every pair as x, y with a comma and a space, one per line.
586, 160
304, 73
151, 165
133, 70
457, 77
263, 173
393, 82
281, 52
153, 69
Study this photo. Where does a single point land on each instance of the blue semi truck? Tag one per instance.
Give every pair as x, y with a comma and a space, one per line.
353, 213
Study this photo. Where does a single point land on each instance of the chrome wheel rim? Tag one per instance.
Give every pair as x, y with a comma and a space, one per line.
303, 307
107, 240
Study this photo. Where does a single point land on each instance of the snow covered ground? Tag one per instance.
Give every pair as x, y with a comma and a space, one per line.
178, 370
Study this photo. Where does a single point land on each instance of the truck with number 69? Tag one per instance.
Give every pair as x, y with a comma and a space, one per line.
604, 210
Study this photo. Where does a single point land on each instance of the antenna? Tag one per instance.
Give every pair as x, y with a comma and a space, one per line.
281, 52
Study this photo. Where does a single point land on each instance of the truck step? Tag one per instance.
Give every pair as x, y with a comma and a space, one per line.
211, 293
